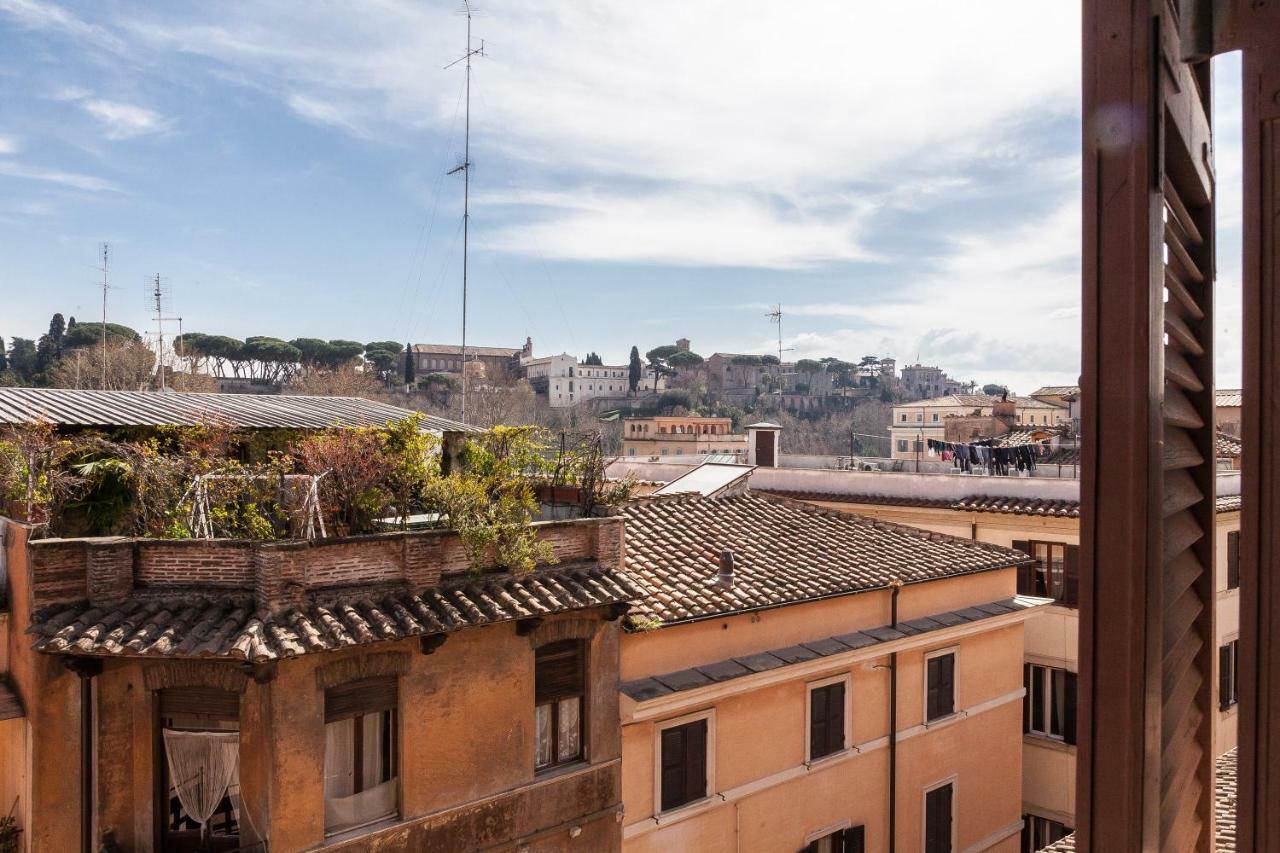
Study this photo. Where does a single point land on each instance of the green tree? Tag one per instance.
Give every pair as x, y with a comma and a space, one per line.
341, 353
90, 334
808, 365
410, 366
683, 359
661, 353
747, 360
22, 359
4, 357
994, 390
593, 358
634, 370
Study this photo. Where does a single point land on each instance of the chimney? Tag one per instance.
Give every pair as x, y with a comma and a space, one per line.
725, 578
1006, 410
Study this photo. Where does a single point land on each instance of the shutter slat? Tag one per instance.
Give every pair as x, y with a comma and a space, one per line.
201, 701
558, 671
1069, 725
365, 696
1071, 577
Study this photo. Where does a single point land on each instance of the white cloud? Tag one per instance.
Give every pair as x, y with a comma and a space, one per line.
72, 180
8, 145
124, 121
38, 15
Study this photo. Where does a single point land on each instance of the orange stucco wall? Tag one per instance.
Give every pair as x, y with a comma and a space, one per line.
768, 799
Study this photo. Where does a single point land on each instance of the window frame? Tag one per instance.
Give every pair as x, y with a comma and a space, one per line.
710, 760
1231, 645
846, 711
954, 781
392, 741
1046, 569
954, 652
579, 647
1068, 725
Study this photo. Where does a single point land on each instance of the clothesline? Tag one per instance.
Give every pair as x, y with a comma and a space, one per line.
986, 454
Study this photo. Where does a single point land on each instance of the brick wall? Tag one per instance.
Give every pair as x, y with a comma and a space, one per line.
282, 573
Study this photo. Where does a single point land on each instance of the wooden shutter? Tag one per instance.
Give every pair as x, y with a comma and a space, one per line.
1026, 698
1224, 676
855, 839
684, 764
826, 720
1027, 573
941, 691
558, 670
1145, 768
1071, 576
1069, 699
937, 838
1233, 559
206, 702
364, 696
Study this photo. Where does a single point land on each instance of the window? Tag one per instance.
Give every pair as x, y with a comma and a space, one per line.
902, 445
682, 762
200, 733
1233, 559
940, 685
559, 677
827, 717
1049, 706
903, 418
851, 839
631, 451
937, 819
920, 418
918, 446
1039, 832
359, 753
1055, 574
935, 417
1229, 674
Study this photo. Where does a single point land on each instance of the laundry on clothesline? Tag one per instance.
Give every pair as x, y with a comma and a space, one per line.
987, 454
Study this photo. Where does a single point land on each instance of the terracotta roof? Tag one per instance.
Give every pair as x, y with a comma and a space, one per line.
1056, 391
70, 407
1228, 446
977, 401
1224, 810
455, 349
1021, 435
786, 551
1229, 397
10, 705
228, 626
643, 689
973, 503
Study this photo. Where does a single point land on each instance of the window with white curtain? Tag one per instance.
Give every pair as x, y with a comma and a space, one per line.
360, 754
558, 691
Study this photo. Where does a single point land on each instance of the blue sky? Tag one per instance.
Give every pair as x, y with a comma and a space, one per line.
905, 180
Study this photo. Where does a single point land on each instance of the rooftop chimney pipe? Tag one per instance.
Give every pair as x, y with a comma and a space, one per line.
726, 570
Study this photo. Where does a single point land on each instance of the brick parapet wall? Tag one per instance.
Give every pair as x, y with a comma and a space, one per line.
282, 574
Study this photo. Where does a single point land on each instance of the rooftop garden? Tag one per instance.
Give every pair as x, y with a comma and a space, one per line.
214, 482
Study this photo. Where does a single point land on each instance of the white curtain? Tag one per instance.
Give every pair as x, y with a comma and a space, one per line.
201, 767
343, 808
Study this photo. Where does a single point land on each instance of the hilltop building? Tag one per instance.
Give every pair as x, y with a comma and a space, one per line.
915, 423
565, 381
497, 363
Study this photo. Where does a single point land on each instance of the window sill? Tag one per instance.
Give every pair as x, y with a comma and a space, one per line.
1050, 742
363, 829
831, 757
940, 722
556, 770
688, 809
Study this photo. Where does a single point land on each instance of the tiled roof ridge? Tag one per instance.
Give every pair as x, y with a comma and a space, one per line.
891, 526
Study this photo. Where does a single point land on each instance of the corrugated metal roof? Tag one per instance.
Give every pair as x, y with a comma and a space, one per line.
1229, 397
72, 407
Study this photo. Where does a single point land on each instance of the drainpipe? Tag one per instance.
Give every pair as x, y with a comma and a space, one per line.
893, 726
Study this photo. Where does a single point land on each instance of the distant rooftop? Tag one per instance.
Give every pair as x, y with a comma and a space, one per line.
74, 407
785, 552
1056, 391
976, 401
1229, 397
708, 479
455, 349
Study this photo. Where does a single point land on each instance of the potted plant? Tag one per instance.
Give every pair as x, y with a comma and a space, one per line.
9, 830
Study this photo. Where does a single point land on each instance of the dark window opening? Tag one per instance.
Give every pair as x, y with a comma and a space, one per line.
558, 690
188, 717
826, 720
1229, 674
1049, 706
941, 693
1233, 559
1055, 573
684, 764
937, 820
850, 840
1039, 832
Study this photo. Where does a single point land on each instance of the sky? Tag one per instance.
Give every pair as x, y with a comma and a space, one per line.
904, 178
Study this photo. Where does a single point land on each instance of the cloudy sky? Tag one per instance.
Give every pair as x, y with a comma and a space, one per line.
903, 177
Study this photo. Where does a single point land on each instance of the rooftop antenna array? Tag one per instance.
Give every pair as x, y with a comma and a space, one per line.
465, 168
160, 302
106, 249
775, 316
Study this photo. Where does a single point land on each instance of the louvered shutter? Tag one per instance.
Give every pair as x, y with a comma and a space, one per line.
364, 696
558, 671
941, 691
817, 723
684, 764
1026, 698
855, 839
1224, 677
1069, 700
1233, 559
1071, 576
1027, 573
696, 775
206, 702
938, 820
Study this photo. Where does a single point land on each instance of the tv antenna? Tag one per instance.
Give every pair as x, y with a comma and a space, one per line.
775, 316
465, 168
159, 302
105, 287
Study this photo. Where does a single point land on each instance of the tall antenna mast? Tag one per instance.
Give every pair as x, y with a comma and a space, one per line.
158, 295
105, 287
465, 169
775, 316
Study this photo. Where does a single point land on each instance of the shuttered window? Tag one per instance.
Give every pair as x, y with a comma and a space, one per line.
559, 680
850, 840
684, 764
940, 699
204, 702
937, 820
1049, 704
1039, 832
1228, 674
826, 719
1055, 574
1233, 559
360, 754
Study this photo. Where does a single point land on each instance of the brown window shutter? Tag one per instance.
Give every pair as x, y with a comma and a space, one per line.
558, 671
1069, 700
1027, 573
365, 696
1071, 576
1224, 677
855, 839
1233, 559
1026, 698
202, 701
